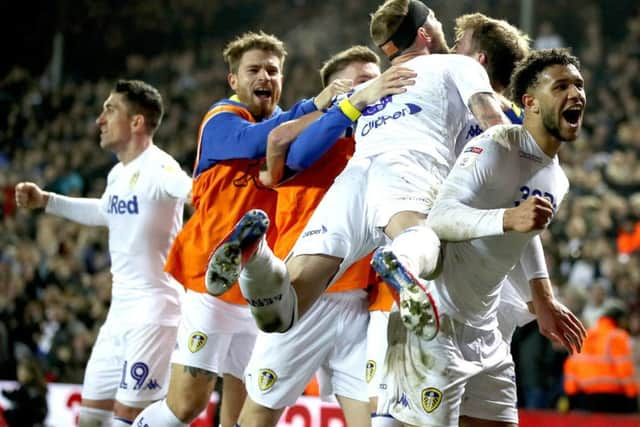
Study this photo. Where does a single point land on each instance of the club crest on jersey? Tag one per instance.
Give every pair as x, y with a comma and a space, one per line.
134, 179
197, 340
370, 370
431, 398
266, 379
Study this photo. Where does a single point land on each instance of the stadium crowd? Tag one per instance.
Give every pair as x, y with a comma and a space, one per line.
54, 274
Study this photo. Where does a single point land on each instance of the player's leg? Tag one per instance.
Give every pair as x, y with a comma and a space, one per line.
95, 413
101, 379
145, 370
279, 293
234, 395
376, 352
234, 391
356, 412
400, 203
245, 256
255, 415
347, 359
281, 365
202, 350
490, 397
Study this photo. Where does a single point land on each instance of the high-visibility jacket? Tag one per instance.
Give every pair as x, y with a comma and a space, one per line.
605, 364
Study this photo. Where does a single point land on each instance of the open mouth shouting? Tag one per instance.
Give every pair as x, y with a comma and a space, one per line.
263, 94
573, 115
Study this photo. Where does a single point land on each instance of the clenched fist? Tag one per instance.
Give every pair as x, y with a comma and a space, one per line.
532, 214
30, 196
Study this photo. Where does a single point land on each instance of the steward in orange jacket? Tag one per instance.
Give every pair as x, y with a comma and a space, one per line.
601, 377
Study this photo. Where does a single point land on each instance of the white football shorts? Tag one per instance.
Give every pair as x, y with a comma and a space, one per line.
329, 338
130, 365
214, 335
463, 371
349, 221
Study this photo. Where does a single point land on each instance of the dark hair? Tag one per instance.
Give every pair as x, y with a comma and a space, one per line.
342, 60
529, 69
142, 98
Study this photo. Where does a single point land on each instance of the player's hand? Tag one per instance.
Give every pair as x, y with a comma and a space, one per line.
559, 324
392, 82
30, 196
532, 214
333, 89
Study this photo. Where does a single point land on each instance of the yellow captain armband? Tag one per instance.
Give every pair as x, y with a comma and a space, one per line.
349, 110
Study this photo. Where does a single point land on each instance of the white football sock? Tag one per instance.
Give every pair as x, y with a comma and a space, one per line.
418, 249
384, 421
265, 284
92, 417
158, 414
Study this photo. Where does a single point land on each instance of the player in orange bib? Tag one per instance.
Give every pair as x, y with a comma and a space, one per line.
216, 335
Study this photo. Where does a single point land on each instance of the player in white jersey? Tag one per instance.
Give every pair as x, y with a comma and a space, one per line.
502, 191
404, 149
142, 206
497, 46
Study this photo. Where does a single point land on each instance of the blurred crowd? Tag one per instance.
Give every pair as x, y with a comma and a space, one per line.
54, 274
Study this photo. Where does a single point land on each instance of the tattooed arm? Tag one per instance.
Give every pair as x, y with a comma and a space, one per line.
486, 109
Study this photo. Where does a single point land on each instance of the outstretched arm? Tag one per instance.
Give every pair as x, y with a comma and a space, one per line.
82, 210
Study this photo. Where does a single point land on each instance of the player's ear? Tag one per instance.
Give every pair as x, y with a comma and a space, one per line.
424, 35
232, 79
137, 122
530, 103
482, 57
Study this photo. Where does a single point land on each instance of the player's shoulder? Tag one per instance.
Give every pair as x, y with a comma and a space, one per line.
160, 160
507, 137
456, 62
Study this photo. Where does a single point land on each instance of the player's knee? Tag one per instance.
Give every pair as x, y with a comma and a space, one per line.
188, 407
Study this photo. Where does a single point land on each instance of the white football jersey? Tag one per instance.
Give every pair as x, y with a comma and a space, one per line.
497, 170
430, 115
143, 205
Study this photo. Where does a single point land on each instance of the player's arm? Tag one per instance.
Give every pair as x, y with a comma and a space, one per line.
487, 110
452, 216
555, 320
472, 82
175, 182
81, 210
226, 135
278, 144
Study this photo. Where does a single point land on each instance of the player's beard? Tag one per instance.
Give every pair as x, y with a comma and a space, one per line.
551, 124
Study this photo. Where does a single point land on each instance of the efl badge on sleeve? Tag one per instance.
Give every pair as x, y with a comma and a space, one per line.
266, 379
371, 370
431, 398
197, 340
469, 156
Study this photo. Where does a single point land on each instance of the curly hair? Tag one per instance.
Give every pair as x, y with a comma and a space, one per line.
528, 70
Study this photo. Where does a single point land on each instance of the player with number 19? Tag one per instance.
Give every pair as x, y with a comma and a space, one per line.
142, 207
